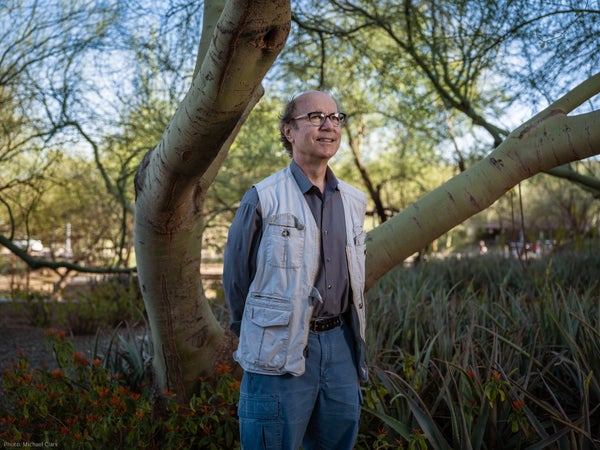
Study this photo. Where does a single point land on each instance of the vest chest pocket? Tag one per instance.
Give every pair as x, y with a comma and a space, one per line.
284, 241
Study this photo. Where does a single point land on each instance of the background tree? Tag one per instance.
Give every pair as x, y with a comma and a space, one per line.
45, 48
173, 179
81, 123
445, 58
530, 149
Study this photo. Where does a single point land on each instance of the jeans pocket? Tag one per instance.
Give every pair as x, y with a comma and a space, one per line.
260, 424
258, 407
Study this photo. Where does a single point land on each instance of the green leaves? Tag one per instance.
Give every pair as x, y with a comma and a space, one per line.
503, 358
84, 404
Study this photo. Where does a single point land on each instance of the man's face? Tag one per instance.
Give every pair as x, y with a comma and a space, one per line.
312, 144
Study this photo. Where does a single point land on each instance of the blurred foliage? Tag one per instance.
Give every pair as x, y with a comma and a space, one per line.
103, 303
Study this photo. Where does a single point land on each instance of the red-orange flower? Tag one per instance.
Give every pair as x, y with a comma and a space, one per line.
517, 405
223, 369
58, 334
80, 359
116, 401
25, 379
71, 420
103, 392
92, 418
8, 420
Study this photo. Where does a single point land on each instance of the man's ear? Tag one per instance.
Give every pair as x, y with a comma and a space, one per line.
287, 132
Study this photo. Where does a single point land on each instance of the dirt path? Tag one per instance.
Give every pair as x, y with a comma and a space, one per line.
18, 335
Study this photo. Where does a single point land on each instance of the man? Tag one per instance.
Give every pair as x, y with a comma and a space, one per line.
294, 283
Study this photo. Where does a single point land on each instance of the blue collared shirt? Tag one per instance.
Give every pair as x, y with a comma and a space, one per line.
246, 232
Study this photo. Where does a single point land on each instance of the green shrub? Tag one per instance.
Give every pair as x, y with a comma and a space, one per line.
487, 353
82, 405
102, 304
36, 307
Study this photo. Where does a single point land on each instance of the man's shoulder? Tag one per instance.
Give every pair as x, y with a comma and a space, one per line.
352, 191
250, 198
273, 179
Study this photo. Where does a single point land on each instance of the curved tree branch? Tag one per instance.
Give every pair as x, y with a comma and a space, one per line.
39, 263
549, 139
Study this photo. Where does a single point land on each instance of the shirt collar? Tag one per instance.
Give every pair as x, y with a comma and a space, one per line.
331, 182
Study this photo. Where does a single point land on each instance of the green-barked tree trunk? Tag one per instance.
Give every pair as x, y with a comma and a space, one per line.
549, 140
240, 41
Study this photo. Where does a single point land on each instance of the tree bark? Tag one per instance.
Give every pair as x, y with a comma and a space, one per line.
172, 180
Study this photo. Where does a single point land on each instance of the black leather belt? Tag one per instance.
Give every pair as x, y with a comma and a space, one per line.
325, 324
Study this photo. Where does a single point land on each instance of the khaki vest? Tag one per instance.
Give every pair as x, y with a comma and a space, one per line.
278, 309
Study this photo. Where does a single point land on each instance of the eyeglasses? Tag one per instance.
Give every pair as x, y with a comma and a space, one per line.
318, 118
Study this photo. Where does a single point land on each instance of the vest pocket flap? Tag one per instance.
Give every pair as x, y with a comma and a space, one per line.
286, 220
264, 317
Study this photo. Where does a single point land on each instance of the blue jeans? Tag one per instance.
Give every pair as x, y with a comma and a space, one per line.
319, 409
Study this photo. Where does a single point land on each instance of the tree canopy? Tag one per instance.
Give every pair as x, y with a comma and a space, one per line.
424, 84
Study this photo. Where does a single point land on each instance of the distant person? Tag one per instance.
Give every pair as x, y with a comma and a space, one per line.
482, 248
294, 283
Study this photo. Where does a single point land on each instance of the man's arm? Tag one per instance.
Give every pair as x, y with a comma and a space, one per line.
239, 265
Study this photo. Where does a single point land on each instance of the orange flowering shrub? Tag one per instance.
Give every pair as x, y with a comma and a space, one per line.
82, 405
